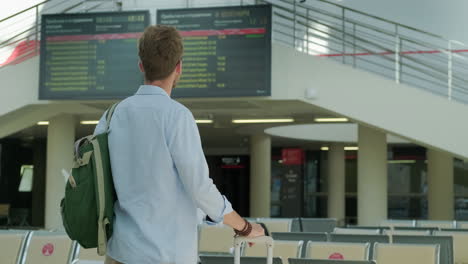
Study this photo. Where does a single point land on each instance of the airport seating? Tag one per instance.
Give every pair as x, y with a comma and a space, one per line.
218, 239
329, 261
318, 224
437, 224
356, 231
80, 261
12, 244
460, 242
462, 225
277, 224
46, 247
88, 254
406, 254
336, 250
298, 236
230, 260
445, 242
282, 249
407, 232
392, 223
349, 238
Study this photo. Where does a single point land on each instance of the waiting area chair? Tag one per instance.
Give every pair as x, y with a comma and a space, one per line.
88, 254
230, 260
438, 224
393, 223
46, 247
335, 250
283, 250
277, 224
356, 231
407, 232
12, 246
218, 239
328, 261
406, 254
460, 245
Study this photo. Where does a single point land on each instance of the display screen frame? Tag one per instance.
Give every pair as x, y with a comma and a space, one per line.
46, 94
230, 92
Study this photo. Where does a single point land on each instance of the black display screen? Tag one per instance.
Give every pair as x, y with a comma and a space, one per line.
90, 55
227, 50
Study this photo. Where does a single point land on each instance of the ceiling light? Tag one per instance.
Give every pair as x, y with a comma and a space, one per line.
89, 122
324, 148
204, 121
401, 161
250, 121
331, 120
351, 148
43, 123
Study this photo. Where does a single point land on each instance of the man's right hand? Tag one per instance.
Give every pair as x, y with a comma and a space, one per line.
257, 231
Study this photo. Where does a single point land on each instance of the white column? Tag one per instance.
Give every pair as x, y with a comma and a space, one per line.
372, 176
260, 175
440, 194
60, 140
336, 182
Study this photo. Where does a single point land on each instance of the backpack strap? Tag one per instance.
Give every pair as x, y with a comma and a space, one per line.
109, 114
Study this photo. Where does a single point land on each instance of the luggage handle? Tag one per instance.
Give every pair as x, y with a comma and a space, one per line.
267, 240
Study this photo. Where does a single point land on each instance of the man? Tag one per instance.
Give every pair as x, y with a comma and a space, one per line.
159, 169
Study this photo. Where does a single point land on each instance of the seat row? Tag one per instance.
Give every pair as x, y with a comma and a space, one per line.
42, 247
425, 223
290, 252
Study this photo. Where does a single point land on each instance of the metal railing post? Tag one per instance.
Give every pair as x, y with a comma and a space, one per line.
343, 34
294, 26
307, 32
354, 45
449, 73
37, 29
397, 59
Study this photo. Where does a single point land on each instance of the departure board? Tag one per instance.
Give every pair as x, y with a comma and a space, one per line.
90, 55
227, 50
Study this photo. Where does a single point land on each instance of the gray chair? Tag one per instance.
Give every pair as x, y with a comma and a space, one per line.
296, 225
230, 260
445, 242
406, 228
328, 261
318, 224
372, 239
298, 236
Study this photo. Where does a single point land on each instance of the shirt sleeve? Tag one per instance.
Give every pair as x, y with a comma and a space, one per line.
185, 146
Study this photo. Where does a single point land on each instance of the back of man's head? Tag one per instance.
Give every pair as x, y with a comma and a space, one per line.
160, 48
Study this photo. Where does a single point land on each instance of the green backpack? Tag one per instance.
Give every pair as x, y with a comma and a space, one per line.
88, 206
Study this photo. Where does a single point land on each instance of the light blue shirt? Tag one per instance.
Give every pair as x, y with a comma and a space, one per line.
161, 178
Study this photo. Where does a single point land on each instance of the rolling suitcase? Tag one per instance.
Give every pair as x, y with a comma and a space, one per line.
267, 240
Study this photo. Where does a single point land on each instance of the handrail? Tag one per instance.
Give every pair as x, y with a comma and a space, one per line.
25, 10
437, 64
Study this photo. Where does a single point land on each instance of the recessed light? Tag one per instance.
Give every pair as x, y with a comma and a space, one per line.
89, 122
43, 123
331, 119
250, 121
324, 148
204, 121
351, 148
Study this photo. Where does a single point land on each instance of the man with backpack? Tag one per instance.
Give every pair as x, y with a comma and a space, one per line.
158, 166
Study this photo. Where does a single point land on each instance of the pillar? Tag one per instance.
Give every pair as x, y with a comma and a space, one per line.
60, 141
260, 175
336, 182
372, 176
440, 194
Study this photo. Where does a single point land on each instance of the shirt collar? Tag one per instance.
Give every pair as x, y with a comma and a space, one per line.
151, 89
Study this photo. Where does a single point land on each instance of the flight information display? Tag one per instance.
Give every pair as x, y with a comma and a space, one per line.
227, 50
90, 55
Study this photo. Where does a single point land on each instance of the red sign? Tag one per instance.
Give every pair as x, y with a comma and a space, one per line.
48, 249
336, 256
292, 156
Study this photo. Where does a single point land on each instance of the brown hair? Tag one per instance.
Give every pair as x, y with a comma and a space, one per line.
160, 49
